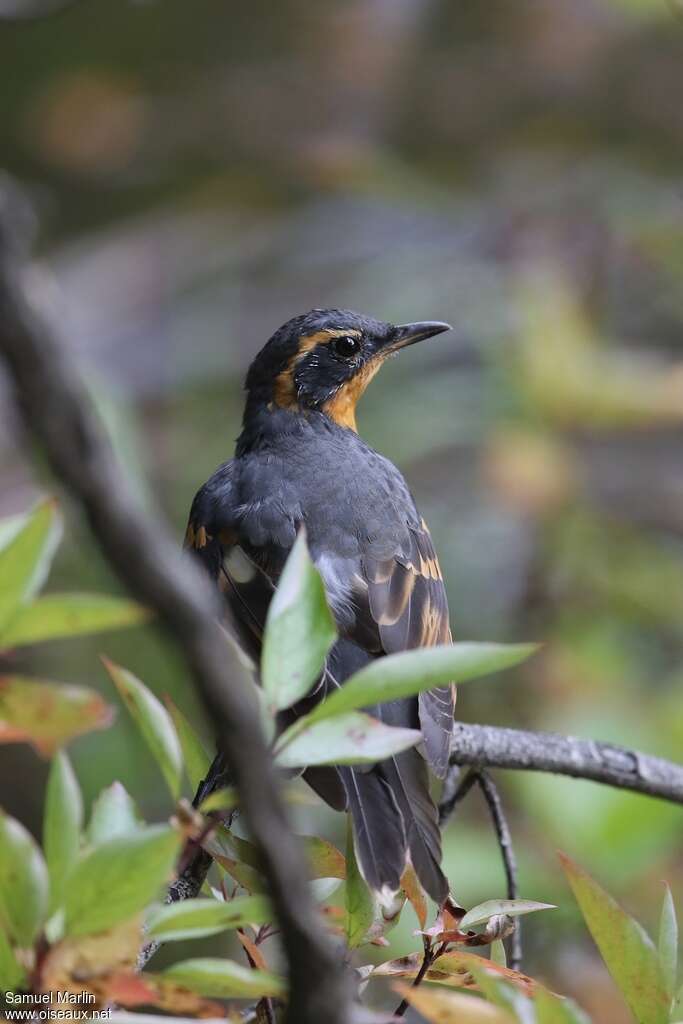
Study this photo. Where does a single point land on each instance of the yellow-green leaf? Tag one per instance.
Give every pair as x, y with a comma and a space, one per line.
554, 1009
48, 715
195, 757
118, 879
490, 908
113, 814
324, 859
25, 559
360, 903
153, 721
626, 948
23, 883
410, 672
220, 800
351, 738
195, 918
498, 954
299, 631
224, 979
63, 821
12, 974
668, 942
62, 615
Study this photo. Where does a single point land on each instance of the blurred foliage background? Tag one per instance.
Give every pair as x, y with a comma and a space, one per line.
202, 172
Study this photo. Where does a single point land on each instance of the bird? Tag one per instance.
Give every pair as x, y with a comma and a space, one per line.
300, 461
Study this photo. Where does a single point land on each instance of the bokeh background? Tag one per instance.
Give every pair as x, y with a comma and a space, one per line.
201, 172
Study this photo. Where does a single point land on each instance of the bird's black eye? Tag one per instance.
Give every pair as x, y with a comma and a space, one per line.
346, 346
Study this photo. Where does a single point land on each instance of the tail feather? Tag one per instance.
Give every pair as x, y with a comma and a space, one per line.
408, 778
378, 826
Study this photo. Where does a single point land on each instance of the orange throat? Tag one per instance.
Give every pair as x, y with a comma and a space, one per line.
341, 408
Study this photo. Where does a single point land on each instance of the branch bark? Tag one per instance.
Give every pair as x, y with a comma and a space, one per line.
57, 412
487, 746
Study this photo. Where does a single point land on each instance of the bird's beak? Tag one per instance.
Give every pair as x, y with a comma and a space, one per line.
408, 334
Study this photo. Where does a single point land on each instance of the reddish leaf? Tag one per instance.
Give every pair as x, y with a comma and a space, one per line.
453, 969
48, 715
256, 956
415, 894
87, 963
157, 992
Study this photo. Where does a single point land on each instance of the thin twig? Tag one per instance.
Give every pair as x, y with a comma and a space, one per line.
58, 414
458, 793
495, 806
430, 955
490, 793
266, 1004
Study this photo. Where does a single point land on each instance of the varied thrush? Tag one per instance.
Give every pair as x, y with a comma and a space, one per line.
299, 460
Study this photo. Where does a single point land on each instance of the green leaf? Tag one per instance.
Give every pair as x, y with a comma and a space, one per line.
62, 824
62, 615
194, 918
9, 528
353, 738
299, 631
195, 757
12, 974
322, 888
46, 714
499, 989
153, 721
677, 1007
25, 559
224, 979
237, 857
498, 955
113, 814
512, 908
668, 942
220, 800
408, 673
626, 948
360, 903
118, 878
225, 841
24, 886
553, 1009
246, 876
324, 859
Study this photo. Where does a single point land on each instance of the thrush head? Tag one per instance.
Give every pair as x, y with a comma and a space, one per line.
325, 359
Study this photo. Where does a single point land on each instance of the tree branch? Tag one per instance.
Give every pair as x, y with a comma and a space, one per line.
487, 746
58, 413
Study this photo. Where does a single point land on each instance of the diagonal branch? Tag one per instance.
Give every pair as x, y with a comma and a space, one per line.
502, 829
455, 790
487, 746
58, 413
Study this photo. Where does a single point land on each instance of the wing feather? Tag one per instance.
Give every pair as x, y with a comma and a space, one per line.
406, 600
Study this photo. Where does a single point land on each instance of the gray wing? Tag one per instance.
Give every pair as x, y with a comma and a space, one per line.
407, 606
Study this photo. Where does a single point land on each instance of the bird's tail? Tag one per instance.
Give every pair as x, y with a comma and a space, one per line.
380, 837
408, 778
393, 816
